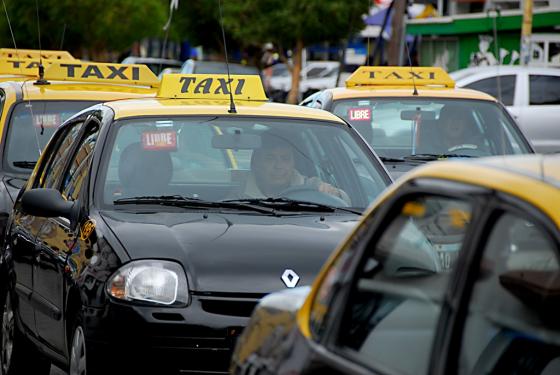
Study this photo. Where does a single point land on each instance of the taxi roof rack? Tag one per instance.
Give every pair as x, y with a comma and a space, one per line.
399, 76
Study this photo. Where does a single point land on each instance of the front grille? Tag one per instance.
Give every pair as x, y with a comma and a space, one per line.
228, 307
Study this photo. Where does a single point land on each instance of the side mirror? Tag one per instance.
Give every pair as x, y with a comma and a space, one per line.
46, 203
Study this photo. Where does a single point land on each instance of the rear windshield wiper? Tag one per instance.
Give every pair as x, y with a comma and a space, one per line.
24, 164
182, 201
287, 204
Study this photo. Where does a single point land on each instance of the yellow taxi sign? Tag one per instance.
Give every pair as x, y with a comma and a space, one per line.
399, 76
24, 67
131, 74
212, 86
35, 54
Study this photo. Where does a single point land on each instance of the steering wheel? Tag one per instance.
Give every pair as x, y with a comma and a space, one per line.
309, 193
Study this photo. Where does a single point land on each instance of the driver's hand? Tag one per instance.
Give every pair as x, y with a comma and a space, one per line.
326, 188
329, 189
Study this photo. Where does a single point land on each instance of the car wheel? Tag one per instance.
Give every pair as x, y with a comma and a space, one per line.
8, 330
78, 352
16, 348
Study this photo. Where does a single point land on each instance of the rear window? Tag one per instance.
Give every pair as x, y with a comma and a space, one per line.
30, 127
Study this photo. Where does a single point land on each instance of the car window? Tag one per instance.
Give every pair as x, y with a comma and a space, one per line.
217, 158
490, 86
405, 127
326, 292
79, 165
2, 100
315, 72
396, 298
31, 125
544, 90
512, 321
57, 160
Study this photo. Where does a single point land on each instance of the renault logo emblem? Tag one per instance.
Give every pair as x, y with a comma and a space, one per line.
290, 278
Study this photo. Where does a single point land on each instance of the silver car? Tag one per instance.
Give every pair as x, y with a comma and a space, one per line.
531, 94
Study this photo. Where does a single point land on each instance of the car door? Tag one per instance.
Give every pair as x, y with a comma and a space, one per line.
539, 117
26, 227
510, 323
59, 246
386, 315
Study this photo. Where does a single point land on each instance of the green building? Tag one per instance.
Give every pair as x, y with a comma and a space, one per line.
460, 41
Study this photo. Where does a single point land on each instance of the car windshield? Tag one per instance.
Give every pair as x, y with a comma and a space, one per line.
401, 127
241, 159
31, 125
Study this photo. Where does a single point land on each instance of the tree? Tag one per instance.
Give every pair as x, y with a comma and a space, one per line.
293, 24
94, 27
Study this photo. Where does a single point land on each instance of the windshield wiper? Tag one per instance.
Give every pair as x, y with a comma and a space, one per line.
182, 201
429, 157
24, 164
287, 204
386, 159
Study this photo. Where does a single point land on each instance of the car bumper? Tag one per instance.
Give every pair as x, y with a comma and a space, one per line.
162, 340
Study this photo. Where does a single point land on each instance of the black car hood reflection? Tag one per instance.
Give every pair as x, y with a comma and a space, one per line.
233, 253
14, 185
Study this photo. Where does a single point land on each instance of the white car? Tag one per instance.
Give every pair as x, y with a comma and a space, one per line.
155, 64
531, 94
315, 76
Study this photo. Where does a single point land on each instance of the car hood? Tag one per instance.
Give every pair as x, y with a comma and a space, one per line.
233, 253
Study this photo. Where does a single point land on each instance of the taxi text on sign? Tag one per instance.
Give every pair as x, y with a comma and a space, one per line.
27, 67
215, 86
35, 54
132, 74
399, 76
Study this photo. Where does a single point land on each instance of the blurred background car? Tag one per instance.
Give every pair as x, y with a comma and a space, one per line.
531, 94
315, 76
216, 67
155, 64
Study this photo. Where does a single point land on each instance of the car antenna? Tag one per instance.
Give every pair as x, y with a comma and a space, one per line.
17, 55
10, 26
231, 102
41, 80
415, 92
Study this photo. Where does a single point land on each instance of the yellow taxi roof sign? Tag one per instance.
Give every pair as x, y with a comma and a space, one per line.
22, 67
212, 86
35, 54
82, 71
399, 76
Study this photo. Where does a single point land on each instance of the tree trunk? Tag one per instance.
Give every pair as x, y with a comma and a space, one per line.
296, 73
394, 49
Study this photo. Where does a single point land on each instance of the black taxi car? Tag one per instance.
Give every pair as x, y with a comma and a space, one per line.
150, 228
454, 270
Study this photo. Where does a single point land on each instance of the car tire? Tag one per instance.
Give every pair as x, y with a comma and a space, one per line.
15, 349
78, 364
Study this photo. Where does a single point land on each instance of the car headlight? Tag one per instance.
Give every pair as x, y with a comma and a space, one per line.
154, 281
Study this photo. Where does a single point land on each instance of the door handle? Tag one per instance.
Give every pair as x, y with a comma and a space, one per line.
37, 255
